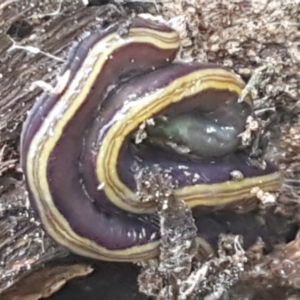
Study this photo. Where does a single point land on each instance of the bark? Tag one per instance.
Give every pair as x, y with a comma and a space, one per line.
35, 38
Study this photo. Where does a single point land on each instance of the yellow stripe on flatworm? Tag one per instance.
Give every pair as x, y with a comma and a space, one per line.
52, 129
229, 191
143, 109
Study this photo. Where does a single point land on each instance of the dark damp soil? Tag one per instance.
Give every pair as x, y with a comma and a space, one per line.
109, 281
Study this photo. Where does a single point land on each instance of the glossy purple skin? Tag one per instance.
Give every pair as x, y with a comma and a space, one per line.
72, 160
107, 228
210, 171
183, 171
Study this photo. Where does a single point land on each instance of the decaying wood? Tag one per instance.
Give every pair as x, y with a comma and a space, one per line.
35, 37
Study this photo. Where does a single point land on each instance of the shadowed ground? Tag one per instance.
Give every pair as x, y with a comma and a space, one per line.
232, 33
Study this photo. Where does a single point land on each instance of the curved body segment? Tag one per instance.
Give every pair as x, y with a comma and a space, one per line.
77, 146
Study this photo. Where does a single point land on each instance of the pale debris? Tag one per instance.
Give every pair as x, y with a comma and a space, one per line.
252, 127
255, 82
266, 198
237, 175
33, 50
141, 134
